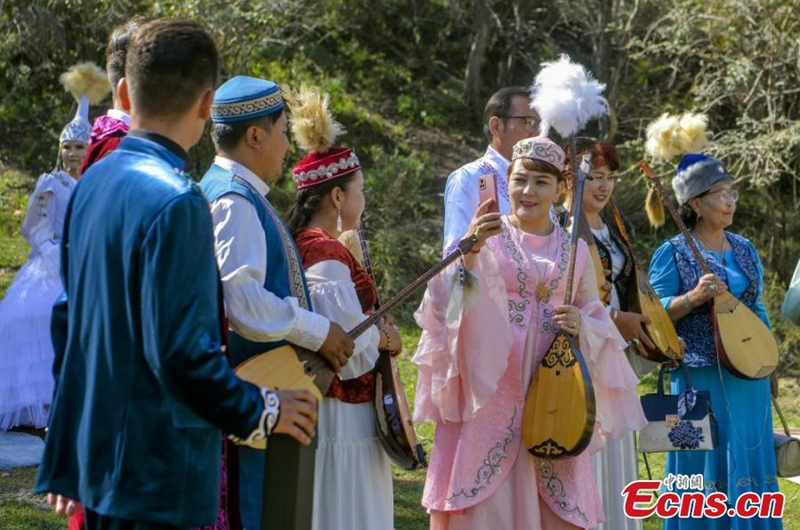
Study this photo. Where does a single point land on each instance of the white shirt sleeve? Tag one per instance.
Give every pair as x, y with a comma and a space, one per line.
461, 197
333, 294
255, 313
38, 226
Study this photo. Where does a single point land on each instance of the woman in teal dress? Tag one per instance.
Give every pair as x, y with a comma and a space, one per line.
744, 460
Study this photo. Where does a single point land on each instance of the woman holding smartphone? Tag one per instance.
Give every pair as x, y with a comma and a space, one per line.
473, 384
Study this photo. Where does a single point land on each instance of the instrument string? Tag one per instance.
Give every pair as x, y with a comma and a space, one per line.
730, 415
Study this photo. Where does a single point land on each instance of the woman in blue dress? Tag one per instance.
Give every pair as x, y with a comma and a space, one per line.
744, 460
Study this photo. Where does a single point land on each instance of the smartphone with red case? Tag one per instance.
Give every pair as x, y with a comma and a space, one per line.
487, 186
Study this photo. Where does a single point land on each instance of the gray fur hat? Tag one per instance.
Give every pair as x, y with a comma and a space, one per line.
695, 174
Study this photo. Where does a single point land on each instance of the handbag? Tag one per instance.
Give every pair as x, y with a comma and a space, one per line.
683, 422
787, 449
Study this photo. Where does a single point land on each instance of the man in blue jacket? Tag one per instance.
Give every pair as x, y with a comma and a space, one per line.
142, 384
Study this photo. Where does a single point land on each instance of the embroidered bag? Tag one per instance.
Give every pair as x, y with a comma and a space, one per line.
682, 422
787, 449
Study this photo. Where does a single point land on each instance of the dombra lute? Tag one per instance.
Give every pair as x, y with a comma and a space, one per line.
292, 367
393, 421
558, 418
745, 345
645, 301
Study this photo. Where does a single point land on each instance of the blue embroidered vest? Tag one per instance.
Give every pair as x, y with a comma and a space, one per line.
285, 271
695, 328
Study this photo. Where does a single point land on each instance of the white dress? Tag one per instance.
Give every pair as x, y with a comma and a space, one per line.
353, 475
617, 463
26, 349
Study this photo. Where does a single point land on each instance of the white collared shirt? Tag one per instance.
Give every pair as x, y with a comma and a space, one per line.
120, 115
253, 312
462, 198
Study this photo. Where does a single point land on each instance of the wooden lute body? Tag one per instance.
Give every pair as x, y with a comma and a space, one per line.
745, 345
559, 413
645, 301
393, 421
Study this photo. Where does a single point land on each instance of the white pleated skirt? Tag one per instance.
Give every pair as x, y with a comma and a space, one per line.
353, 476
26, 348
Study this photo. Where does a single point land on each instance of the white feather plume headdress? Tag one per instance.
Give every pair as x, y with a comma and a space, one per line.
566, 96
312, 123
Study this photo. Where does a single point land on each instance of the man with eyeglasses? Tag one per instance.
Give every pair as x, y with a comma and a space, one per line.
507, 119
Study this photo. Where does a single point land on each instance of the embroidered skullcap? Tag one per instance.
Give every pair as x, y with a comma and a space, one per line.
244, 98
540, 148
696, 174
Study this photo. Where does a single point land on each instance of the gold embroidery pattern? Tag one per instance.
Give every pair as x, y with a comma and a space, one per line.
246, 108
491, 464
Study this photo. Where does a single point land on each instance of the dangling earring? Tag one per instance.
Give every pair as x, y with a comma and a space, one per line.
339, 221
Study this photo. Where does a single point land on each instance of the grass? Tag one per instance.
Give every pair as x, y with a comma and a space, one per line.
21, 510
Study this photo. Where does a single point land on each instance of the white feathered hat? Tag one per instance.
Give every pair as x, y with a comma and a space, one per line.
89, 85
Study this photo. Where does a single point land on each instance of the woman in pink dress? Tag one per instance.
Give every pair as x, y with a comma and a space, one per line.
487, 322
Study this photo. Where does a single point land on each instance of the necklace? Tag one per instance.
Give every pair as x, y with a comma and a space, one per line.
604, 235
714, 254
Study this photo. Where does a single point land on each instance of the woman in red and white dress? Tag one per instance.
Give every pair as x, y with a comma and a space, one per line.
353, 478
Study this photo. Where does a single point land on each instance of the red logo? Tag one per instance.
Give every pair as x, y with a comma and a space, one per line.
641, 500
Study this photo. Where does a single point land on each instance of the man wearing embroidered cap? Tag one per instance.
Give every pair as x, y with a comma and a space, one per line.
262, 275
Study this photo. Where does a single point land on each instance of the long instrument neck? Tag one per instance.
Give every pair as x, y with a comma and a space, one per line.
621, 227
578, 220
649, 173
362, 241
463, 247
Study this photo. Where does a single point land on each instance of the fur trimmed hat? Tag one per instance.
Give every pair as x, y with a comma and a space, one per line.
695, 174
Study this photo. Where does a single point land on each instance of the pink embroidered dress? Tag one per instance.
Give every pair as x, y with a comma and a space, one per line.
476, 357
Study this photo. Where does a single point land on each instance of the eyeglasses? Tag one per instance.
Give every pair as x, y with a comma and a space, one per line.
726, 195
531, 122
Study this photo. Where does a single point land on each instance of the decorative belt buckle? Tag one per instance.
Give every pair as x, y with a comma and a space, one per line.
671, 420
